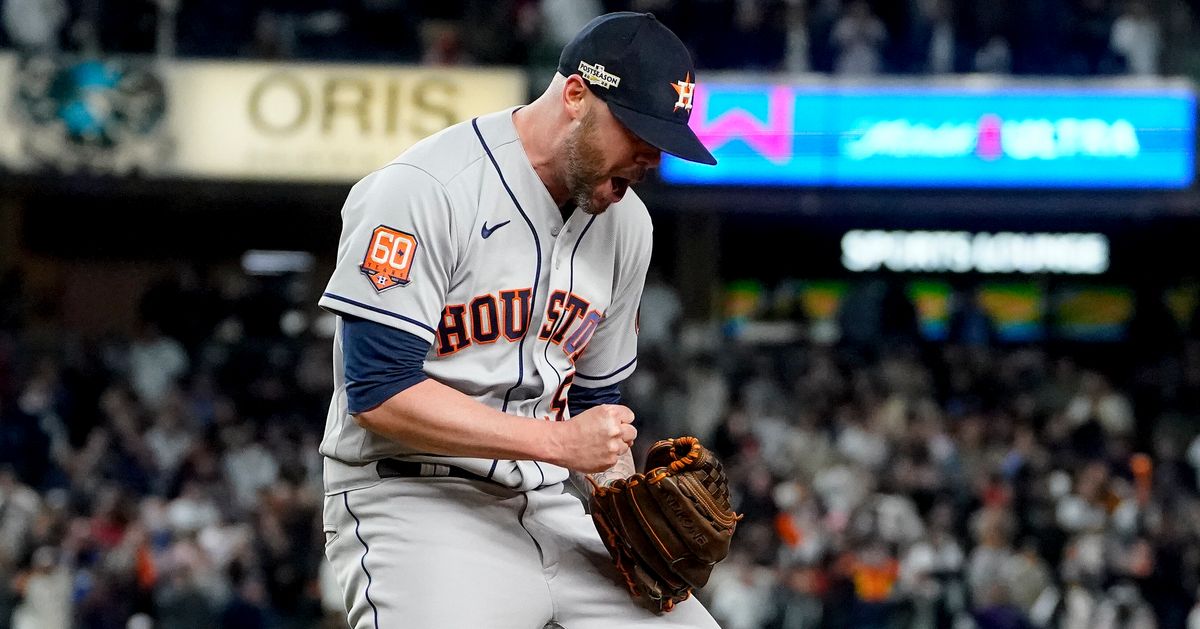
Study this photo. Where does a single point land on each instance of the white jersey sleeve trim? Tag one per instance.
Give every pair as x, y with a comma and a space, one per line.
609, 379
343, 305
406, 200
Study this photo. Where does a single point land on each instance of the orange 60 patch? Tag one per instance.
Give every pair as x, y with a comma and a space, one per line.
389, 258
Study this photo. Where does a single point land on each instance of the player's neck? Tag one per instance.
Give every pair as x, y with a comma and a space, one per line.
539, 141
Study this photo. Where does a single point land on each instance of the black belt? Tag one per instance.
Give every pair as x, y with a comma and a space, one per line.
395, 468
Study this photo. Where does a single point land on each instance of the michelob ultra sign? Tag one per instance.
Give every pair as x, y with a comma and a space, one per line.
912, 136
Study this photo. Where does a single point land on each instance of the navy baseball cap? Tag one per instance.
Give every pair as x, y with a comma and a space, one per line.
645, 74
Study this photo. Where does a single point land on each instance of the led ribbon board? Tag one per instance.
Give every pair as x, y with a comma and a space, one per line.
963, 252
939, 137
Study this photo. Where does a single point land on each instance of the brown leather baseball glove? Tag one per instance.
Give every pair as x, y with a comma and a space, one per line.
667, 528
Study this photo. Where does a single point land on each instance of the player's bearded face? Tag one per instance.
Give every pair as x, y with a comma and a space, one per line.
603, 159
585, 165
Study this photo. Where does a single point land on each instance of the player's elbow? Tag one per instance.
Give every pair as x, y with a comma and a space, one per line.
373, 408
389, 413
370, 419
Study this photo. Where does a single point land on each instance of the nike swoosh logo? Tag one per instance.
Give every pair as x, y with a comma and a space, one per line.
486, 231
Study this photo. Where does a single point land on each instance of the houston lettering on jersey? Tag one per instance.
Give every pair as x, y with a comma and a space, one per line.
569, 321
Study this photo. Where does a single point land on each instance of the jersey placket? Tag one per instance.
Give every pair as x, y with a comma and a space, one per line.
552, 363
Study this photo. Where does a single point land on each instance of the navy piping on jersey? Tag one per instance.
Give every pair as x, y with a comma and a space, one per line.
537, 244
382, 311
561, 318
619, 370
363, 561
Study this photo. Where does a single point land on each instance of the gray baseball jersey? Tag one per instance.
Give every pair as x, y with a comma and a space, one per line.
458, 242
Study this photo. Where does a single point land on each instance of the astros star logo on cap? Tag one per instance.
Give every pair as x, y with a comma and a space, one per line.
685, 88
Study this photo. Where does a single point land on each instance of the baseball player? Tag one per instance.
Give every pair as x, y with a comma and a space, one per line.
487, 289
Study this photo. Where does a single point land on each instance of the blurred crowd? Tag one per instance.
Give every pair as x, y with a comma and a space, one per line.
170, 477
849, 37
889, 483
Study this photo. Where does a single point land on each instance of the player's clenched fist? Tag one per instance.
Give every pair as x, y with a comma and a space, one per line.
593, 440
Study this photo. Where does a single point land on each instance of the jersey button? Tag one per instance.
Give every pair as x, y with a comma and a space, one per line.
554, 232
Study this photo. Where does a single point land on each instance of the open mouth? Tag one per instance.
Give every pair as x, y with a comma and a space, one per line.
619, 186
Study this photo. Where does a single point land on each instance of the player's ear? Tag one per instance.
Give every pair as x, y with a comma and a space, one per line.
574, 97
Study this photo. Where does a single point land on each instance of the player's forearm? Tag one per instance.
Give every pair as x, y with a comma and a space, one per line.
432, 417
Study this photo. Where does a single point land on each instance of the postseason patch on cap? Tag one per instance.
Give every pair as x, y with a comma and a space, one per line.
597, 75
389, 258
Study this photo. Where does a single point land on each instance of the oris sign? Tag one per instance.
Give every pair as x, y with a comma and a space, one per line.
229, 120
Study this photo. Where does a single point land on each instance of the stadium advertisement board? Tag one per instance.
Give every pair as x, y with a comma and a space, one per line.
1056, 135
966, 252
232, 120
320, 122
10, 145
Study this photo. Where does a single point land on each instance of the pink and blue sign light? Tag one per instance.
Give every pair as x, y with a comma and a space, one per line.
1046, 137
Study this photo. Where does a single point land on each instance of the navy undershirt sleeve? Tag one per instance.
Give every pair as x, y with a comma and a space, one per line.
380, 361
580, 399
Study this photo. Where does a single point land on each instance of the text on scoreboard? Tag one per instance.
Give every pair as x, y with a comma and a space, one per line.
939, 137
